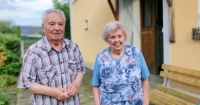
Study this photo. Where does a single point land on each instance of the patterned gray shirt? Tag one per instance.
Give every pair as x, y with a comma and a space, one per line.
43, 65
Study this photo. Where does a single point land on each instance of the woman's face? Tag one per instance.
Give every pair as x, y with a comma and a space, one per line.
116, 40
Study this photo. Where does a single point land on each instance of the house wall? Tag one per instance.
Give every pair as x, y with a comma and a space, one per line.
185, 52
97, 13
129, 13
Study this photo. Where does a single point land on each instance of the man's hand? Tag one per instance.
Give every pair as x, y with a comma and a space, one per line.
72, 89
60, 94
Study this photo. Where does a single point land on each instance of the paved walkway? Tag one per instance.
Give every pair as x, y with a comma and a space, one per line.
23, 98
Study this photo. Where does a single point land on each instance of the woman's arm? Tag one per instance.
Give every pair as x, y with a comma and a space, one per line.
95, 91
145, 87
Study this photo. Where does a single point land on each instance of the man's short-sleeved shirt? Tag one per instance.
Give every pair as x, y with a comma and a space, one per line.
119, 81
44, 65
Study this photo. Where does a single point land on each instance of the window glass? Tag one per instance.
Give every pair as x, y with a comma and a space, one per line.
146, 13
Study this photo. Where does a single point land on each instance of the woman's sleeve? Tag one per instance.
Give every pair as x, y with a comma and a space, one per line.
96, 71
144, 69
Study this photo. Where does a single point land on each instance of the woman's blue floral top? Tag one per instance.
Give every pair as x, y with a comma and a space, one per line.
119, 80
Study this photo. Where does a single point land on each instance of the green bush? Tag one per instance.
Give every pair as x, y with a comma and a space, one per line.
7, 26
11, 42
9, 79
12, 64
2, 48
2, 54
3, 97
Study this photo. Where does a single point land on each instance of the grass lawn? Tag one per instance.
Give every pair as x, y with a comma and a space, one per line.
85, 89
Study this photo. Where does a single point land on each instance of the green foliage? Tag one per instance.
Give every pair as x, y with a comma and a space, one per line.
2, 82
11, 42
7, 26
9, 51
3, 97
9, 79
64, 6
2, 54
12, 64
2, 48
18, 31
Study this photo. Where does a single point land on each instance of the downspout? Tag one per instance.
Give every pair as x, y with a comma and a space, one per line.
71, 1
166, 44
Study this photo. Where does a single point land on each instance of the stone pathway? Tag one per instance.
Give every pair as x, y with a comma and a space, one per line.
23, 98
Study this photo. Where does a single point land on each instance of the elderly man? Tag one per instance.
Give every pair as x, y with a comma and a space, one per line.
53, 67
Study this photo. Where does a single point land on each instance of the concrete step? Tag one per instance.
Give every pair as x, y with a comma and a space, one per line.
154, 80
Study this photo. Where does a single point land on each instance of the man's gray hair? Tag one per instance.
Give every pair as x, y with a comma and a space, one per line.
113, 27
53, 10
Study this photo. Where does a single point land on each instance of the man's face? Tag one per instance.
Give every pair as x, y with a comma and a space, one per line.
54, 26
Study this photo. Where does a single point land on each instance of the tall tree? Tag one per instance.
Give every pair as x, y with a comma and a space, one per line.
64, 6
7, 26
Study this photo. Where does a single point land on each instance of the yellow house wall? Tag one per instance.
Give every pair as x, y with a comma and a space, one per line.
185, 52
97, 13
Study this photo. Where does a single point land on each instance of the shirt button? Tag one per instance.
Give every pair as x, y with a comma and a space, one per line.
63, 73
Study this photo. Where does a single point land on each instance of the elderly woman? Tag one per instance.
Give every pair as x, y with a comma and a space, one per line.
120, 74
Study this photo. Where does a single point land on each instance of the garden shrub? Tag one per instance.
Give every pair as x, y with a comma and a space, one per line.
3, 96
9, 79
4, 99
11, 42
12, 64
2, 54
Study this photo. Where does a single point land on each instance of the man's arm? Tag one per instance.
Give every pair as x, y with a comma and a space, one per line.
73, 88
95, 91
145, 87
58, 93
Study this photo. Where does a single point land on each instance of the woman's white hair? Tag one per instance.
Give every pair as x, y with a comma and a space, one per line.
112, 27
53, 10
